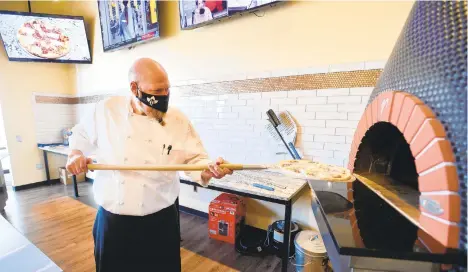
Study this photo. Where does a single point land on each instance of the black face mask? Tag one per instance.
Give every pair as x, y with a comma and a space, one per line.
157, 102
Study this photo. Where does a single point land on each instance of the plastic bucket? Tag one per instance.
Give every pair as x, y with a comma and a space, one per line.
311, 254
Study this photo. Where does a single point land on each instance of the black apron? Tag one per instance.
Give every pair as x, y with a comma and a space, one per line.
137, 243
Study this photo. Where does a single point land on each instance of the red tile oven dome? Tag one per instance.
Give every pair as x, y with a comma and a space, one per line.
432, 154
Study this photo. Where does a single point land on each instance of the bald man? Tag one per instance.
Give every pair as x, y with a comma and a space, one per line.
136, 226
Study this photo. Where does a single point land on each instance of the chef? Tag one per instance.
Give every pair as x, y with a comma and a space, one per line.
136, 226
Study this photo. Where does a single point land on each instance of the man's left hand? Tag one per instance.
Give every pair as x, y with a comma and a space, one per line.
216, 171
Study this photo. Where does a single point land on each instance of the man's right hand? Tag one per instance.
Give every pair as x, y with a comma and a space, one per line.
77, 163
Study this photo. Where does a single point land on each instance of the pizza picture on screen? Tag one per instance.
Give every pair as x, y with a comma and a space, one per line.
43, 39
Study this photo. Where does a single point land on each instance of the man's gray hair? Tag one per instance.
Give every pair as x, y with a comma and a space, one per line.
132, 76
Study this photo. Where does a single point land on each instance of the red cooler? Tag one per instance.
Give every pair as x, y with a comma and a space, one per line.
226, 215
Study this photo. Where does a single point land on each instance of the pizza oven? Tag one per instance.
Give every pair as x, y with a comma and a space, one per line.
409, 150
413, 132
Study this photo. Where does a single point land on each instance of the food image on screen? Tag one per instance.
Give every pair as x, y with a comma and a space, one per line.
124, 23
43, 39
40, 37
196, 12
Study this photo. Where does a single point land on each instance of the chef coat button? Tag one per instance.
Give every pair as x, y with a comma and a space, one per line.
121, 203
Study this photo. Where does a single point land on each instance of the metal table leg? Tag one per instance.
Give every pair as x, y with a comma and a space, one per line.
46, 167
178, 217
75, 186
287, 236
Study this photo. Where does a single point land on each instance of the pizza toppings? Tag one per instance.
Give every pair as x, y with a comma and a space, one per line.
43, 40
63, 38
45, 29
37, 35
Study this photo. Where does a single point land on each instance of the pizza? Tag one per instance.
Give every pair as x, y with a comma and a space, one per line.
287, 163
43, 40
328, 172
295, 166
317, 170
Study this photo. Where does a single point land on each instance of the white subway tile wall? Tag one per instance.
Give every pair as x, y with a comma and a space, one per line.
50, 119
234, 126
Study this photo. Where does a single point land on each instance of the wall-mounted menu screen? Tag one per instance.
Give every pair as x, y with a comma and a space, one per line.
196, 13
44, 37
127, 23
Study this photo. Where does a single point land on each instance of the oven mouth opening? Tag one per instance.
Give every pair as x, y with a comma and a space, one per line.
384, 153
384, 150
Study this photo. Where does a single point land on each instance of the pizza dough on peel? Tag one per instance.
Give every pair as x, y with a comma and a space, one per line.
317, 170
295, 166
43, 40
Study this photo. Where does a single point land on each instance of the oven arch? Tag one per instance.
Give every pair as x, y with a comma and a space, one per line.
433, 157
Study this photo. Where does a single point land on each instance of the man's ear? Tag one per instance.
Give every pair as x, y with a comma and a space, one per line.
134, 88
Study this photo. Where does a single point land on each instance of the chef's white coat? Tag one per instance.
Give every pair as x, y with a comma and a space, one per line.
115, 135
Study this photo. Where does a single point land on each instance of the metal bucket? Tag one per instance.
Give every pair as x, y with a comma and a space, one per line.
311, 255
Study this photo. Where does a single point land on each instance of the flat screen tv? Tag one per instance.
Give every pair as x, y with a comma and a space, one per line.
44, 37
128, 23
196, 13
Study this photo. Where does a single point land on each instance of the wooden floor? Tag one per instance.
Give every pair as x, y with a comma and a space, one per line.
61, 227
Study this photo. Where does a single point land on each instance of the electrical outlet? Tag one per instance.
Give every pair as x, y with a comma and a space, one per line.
39, 166
19, 139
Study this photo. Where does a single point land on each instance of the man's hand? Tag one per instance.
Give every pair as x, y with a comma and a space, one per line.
215, 171
77, 163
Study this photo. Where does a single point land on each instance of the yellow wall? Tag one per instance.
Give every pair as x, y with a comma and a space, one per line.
293, 35
17, 83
